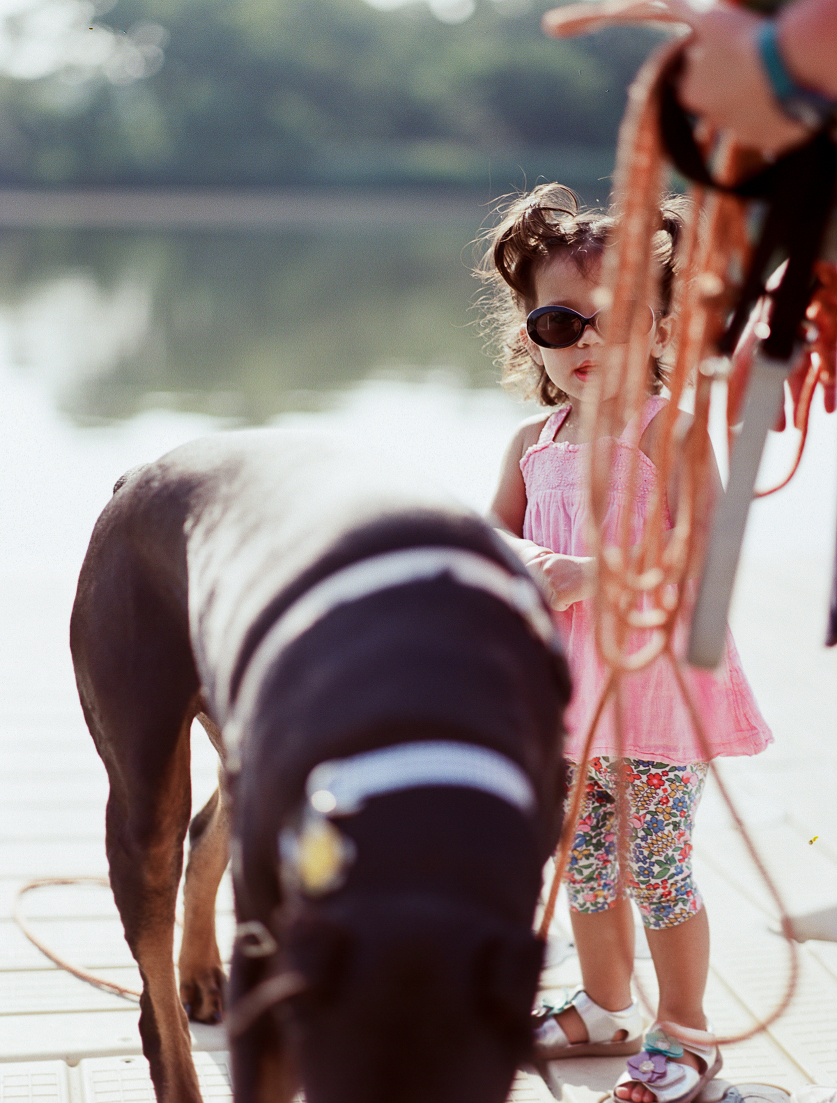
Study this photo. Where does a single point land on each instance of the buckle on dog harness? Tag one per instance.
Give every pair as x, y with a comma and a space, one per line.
373, 575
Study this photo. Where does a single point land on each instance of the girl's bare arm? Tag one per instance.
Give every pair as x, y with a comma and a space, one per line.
565, 578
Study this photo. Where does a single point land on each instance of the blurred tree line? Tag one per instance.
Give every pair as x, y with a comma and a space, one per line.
291, 92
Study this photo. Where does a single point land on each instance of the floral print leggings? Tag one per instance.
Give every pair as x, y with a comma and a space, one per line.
662, 800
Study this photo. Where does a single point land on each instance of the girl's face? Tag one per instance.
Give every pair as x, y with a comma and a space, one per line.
580, 369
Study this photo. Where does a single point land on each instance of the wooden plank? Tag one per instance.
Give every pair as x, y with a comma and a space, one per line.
126, 1080
753, 963
70, 1037
86, 943
53, 991
81, 901
35, 1082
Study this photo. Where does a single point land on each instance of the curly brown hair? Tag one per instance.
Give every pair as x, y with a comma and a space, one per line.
531, 227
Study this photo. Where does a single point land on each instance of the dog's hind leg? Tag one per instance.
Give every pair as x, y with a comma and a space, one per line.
199, 964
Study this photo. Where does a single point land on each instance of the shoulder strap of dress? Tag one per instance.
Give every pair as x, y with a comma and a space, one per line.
552, 424
642, 419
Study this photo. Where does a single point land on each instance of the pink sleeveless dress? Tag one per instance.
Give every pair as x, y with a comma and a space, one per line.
656, 724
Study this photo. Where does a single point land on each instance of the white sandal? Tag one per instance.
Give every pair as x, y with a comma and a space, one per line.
658, 1069
551, 1043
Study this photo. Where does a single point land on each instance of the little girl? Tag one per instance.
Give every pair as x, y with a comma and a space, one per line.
544, 265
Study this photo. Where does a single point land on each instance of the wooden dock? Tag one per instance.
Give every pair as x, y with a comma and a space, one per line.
63, 1040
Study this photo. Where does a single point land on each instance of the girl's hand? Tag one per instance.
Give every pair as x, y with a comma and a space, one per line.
565, 578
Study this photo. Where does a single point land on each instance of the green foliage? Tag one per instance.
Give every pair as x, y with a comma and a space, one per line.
331, 91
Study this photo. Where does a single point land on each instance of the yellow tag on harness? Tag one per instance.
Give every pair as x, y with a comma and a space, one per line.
323, 857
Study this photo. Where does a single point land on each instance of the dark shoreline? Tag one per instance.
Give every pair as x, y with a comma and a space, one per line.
239, 209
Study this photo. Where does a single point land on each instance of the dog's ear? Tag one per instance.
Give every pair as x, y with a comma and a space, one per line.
507, 970
319, 948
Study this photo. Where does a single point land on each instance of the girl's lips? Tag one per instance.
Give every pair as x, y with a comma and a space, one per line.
583, 370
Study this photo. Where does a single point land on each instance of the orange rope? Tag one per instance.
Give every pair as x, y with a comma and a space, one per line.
562, 852
642, 577
787, 926
82, 974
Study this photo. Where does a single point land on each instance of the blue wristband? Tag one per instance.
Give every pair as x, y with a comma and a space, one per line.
803, 105
782, 83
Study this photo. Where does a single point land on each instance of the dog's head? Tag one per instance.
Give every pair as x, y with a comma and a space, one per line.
410, 998
401, 947
413, 781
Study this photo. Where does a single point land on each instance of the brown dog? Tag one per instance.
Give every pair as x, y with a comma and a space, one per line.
379, 674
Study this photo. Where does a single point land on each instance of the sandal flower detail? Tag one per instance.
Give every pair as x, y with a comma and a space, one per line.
657, 1066
547, 1008
647, 1067
657, 1041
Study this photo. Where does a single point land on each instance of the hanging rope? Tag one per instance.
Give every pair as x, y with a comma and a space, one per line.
816, 364
643, 578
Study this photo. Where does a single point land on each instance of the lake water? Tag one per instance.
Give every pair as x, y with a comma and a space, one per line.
116, 345
242, 325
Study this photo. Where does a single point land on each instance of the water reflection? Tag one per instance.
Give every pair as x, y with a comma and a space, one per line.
234, 324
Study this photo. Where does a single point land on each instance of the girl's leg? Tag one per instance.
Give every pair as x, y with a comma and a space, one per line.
675, 920
681, 962
605, 944
604, 937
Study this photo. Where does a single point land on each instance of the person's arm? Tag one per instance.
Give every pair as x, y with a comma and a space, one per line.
565, 578
725, 81
807, 36
508, 507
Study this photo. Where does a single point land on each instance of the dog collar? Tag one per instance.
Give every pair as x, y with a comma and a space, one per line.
371, 576
398, 568
342, 786
315, 854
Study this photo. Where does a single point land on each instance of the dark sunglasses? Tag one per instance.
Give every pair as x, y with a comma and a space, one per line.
558, 327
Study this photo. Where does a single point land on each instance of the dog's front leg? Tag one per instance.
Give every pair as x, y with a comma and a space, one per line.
146, 827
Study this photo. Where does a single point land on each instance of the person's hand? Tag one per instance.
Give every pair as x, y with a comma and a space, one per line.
565, 578
724, 82
723, 79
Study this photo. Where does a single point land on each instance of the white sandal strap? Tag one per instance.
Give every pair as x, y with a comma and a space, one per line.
602, 1024
551, 1033
659, 1069
700, 1042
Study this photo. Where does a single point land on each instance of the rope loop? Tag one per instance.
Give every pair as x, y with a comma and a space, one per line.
81, 974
